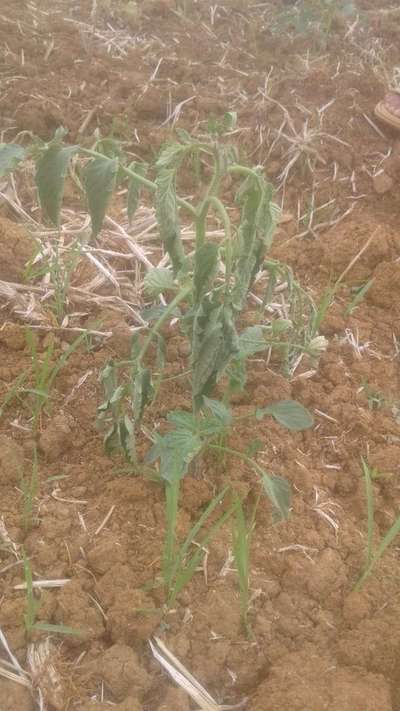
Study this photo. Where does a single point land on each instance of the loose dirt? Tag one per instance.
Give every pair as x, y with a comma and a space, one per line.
317, 644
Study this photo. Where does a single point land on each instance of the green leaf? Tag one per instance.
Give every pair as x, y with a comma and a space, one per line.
57, 629
153, 313
183, 420
206, 363
229, 120
288, 413
278, 491
134, 188
99, 177
51, 171
175, 450
10, 155
205, 268
171, 156
219, 410
158, 280
184, 136
237, 374
251, 341
167, 217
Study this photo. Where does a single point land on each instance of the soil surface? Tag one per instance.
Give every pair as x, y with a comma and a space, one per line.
137, 70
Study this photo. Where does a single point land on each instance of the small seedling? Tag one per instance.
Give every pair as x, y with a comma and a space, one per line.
359, 295
44, 372
376, 399
241, 536
372, 557
30, 488
179, 563
32, 607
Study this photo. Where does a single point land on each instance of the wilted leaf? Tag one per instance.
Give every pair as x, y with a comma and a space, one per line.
99, 178
206, 362
10, 155
205, 268
134, 188
278, 491
167, 217
143, 393
158, 280
51, 170
288, 413
127, 438
170, 156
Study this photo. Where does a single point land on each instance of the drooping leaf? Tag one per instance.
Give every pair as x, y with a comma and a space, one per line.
127, 438
158, 280
267, 216
205, 268
143, 393
167, 217
10, 155
278, 491
99, 177
134, 188
230, 341
250, 195
205, 364
289, 413
51, 171
237, 374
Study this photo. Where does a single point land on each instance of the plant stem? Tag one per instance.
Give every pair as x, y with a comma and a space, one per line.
240, 455
242, 170
210, 193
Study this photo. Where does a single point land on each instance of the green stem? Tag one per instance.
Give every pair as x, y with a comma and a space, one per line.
164, 316
240, 455
201, 214
142, 180
242, 170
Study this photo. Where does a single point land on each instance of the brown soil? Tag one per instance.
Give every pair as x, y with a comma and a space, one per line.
317, 643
